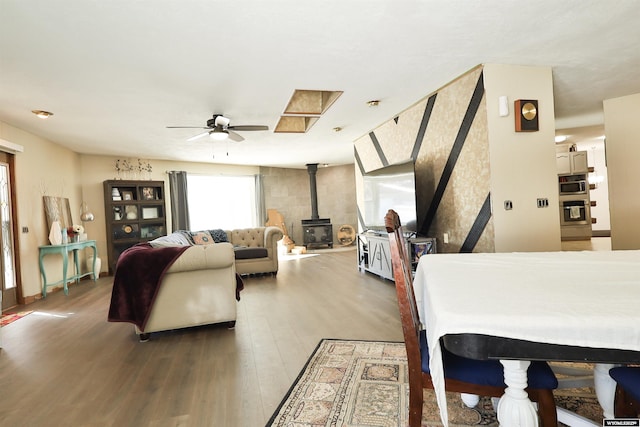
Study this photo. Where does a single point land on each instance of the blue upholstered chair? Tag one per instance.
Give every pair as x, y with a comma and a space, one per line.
462, 375
627, 399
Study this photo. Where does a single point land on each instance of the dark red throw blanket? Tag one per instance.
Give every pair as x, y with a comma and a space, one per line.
137, 278
136, 281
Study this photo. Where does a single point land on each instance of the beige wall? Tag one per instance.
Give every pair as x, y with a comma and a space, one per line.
42, 169
523, 164
97, 169
45, 168
622, 131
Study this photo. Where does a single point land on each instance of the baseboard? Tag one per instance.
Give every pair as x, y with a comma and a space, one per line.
30, 299
601, 233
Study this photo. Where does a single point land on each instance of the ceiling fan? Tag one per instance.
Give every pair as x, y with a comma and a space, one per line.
218, 128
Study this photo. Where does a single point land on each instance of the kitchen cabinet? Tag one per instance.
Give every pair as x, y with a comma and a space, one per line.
572, 162
575, 204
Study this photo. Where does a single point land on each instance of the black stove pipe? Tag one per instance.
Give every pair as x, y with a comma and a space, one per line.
312, 168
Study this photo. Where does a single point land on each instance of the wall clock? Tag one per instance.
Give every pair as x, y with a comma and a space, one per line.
526, 113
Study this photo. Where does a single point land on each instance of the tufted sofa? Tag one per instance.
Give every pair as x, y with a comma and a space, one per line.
256, 249
172, 284
199, 288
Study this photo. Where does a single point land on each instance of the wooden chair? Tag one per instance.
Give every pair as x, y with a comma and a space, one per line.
462, 375
627, 397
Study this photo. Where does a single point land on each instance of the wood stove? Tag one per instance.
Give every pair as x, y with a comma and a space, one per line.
316, 231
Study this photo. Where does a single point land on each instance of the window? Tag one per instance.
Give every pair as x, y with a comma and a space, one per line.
218, 201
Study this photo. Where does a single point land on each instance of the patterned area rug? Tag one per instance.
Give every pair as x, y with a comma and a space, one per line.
364, 383
12, 317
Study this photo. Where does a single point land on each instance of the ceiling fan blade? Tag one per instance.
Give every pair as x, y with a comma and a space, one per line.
200, 135
248, 127
234, 136
187, 127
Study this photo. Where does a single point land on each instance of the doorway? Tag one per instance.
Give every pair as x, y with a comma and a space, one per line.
7, 252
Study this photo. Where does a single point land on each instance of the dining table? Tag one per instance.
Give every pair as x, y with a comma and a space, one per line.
574, 306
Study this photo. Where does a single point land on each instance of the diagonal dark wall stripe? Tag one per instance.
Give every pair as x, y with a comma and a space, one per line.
358, 161
467, 121
478, 226
423, 126
376, 144
360, 219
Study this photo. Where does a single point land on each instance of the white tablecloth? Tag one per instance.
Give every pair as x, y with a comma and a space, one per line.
589, 299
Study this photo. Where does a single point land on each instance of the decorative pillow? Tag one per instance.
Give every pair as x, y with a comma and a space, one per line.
186, 234
219, 235
174, 239
202, 238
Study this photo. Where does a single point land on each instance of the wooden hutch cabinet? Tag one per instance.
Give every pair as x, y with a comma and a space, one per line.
134, 213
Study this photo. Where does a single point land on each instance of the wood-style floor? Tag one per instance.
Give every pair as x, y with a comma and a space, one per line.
65, 365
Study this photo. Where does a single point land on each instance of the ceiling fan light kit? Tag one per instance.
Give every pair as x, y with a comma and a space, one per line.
219, 134
218, 129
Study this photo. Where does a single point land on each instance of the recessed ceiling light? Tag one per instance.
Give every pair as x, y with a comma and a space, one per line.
42, 114
373, 103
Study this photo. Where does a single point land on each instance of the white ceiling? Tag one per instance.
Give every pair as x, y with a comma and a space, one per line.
116, 73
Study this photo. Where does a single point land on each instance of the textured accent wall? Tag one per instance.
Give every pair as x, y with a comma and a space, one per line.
446, 135
287, 190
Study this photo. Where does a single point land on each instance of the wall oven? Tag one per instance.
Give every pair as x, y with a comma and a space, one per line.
575, 212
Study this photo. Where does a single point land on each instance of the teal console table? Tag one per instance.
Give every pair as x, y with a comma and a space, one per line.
64, 251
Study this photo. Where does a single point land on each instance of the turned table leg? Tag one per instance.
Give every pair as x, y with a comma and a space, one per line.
515, 408
605, 388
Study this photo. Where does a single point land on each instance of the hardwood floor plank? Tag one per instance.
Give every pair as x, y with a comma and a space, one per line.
65, 364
